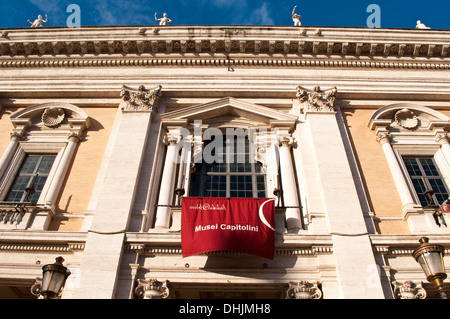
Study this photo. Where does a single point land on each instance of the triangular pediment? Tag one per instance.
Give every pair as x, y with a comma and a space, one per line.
233, 110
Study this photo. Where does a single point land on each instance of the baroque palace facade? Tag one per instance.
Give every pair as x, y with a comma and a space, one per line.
348, 128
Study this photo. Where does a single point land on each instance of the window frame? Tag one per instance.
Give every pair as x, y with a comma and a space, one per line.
31, 177
422, 150
31, 148
425, 178
229, 173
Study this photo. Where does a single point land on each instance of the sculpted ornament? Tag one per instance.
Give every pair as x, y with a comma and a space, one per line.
409, 290
296, 18
38, 22
303, 290
420, 25
152, 289
52, 116
142, 99
317, 100
406, 119
164, 20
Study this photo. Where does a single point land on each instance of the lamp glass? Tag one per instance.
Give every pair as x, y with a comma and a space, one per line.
53, 277
431, 263
52, 281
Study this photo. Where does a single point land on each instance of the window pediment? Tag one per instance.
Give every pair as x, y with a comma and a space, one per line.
404, 117
231, 110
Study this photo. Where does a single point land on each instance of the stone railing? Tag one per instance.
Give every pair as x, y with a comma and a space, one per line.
24, 216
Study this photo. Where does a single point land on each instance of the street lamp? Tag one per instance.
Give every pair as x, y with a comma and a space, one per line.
53, 278
431, 259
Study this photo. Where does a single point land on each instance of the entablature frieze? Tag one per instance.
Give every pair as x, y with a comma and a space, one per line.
38, 241
169, 243
404, 245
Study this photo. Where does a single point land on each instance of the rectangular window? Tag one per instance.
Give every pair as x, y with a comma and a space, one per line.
425, 176
32, 175
234, 174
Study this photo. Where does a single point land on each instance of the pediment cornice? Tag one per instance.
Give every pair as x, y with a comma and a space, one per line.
230, 106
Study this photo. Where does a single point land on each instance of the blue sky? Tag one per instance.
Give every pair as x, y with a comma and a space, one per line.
347, 13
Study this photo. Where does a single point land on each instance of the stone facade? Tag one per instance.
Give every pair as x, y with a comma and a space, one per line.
340, 106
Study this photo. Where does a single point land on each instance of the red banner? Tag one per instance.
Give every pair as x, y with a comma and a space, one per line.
238, 224
244, 225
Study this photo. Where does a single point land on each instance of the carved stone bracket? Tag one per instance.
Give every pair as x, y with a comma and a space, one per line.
303, 290
36, 288
317, 100
409, 290
152, 289
140, 99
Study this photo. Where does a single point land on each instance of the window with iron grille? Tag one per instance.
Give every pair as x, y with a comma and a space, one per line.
425, 176
33, 172
233, 173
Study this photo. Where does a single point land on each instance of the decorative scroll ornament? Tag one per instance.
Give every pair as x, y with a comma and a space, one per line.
406, 119
52, 116
140, 99
303, 290
36, 288
152, 289
409, 290
317, 100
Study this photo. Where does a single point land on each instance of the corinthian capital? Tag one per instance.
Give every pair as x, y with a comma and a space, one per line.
317, 100
140, 99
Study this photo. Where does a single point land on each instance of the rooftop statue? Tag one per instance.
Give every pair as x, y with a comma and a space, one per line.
164, 20
38, 22
420, 25
296, 18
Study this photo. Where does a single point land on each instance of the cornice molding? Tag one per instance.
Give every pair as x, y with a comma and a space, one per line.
193, 61
197, 45
303, 251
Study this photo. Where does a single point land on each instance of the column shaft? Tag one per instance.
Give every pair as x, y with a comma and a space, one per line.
290, 194
166, 193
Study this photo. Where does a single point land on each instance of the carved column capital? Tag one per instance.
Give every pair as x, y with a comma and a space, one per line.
152, 289
409, 290
15, 136
441, 138
286, 140
317, 100
74, 137
303, 290
171, 139
383, 137
140, 99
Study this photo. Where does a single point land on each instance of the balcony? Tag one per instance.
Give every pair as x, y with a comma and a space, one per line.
24, 215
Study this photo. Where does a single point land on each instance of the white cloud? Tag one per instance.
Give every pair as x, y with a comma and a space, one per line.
117, 12
261, 16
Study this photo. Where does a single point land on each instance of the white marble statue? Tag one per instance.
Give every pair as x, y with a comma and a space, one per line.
38, 22
420, 25
296, 18
164, 20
